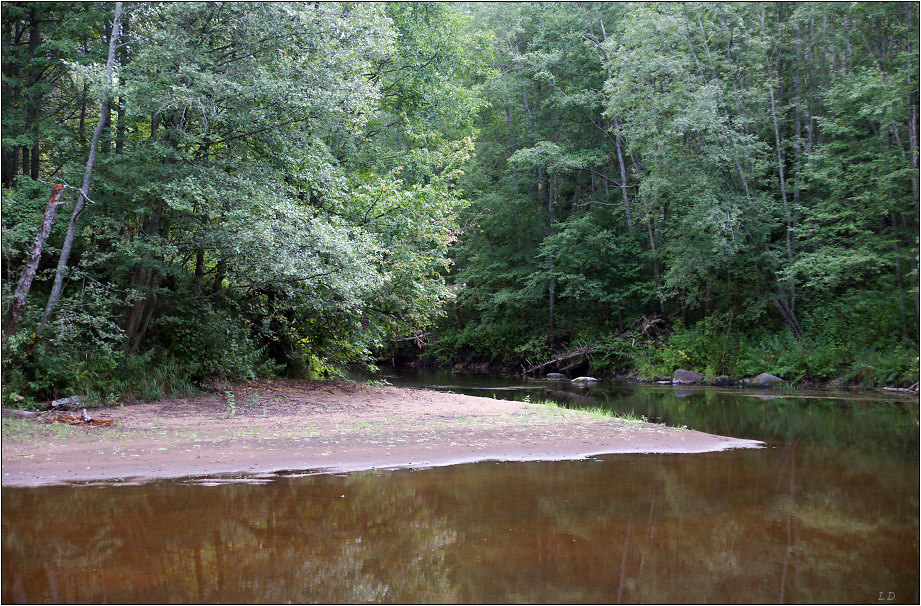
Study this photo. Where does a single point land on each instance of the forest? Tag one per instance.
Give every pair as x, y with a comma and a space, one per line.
193, 191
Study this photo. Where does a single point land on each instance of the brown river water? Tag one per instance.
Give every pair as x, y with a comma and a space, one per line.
827, 513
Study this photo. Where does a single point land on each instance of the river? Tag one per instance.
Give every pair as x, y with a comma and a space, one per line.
828, 512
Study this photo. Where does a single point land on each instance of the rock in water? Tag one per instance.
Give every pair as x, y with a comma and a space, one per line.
686, 377
765, 379
555, 376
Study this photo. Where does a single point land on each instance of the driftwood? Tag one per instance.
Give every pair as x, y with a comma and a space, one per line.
83, 419
654, 325
579, 354
651, 327
912, 389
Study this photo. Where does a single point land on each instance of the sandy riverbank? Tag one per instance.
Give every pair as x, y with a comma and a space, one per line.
322, 426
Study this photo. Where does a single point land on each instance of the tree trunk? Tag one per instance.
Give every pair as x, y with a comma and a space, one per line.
547, 182
551, 283
789, 317
143, 279
219, 271
199, 264
31, 167
31, 266
87, 175
780, 298
512, 147
898, 278
912, 114
8, 166
656, 269
783, 195
142, 311
623, 174
798, 116
120, 125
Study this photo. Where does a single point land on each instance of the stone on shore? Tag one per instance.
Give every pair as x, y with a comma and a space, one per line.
687, 377
765, 380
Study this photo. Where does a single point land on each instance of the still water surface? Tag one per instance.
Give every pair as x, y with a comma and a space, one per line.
827, 513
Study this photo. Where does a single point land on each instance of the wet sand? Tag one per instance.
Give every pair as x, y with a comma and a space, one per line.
274, 426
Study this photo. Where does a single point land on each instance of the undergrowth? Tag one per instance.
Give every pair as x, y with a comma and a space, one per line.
708, 348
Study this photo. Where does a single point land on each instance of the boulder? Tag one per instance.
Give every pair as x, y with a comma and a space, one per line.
765, 379
555, 376
686, 377
585, 380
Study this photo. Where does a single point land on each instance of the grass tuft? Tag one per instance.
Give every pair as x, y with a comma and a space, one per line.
597, 411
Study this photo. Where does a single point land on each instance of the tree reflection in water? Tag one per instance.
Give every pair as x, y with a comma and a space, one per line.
308, 539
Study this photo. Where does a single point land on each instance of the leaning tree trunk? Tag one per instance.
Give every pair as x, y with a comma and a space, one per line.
32, 259
80, 204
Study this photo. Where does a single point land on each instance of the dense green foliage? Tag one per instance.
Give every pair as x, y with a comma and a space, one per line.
748, 170
284, 188
274, 192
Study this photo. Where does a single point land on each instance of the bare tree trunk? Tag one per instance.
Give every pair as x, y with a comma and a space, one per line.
31, 266
87, 175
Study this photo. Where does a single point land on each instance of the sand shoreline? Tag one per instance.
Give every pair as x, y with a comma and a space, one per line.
284, 426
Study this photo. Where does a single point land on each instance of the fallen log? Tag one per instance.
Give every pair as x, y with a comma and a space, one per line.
583, 351
575, 364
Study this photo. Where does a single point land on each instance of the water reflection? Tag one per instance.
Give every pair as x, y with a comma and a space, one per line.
876, 424
830, 514
326, 539
788, 524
